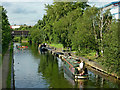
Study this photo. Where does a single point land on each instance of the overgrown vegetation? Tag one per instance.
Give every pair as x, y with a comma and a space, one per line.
5, 36
6, 31
82, 28
20, 39
17, 39
56, 45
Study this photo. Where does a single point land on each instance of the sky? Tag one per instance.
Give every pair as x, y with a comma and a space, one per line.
28, 12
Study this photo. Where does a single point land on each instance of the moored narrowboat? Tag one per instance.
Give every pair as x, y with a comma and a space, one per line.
71, 66
42, 48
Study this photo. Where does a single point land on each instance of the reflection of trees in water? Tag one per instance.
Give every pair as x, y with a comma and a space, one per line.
100, 82
49, 68
81, 83
34, 51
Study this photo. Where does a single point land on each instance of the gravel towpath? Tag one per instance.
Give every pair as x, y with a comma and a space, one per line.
4, 69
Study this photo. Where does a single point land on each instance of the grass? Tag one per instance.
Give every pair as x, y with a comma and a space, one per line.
25, 39
25, 44
91, 55
17, 39
10, 63
56, 45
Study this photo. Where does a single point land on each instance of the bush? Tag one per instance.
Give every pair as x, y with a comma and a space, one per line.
16, 39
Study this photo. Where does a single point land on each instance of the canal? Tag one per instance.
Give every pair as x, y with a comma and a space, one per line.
35, 70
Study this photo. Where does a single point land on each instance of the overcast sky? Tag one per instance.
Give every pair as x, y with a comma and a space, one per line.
30, 11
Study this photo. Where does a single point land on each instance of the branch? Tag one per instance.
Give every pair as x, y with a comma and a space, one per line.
105, 21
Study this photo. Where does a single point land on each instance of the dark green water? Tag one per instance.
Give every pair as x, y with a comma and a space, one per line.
34, 70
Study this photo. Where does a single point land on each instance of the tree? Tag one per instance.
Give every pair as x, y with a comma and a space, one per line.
6, 31
111, 48
100, 24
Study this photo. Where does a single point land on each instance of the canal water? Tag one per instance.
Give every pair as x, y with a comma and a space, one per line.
35, 70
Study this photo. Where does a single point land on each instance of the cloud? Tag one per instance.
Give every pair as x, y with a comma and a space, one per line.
30, 11
6, 3
56, 0
23, 11
26, 0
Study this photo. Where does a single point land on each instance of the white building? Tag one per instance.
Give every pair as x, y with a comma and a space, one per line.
14, 27
114, 9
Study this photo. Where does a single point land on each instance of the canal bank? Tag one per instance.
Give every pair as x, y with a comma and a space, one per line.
0, 77
96, 66
7, 67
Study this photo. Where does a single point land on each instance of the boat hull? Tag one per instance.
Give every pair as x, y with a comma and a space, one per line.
72, 74
68, 72
43, 49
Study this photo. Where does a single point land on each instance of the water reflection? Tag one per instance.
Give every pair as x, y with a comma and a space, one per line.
103, 81
35, 70
25, 66
49, 67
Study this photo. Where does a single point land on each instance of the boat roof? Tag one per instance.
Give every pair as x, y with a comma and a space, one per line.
72, 61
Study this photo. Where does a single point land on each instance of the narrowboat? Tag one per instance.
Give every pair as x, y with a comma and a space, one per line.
71, 66
43, 48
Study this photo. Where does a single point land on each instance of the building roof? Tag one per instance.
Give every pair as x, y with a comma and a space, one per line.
110, 4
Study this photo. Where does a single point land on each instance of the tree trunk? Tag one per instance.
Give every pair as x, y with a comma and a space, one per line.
101, 36
96, 40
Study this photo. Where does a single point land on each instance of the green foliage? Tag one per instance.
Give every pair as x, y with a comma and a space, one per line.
111, 48
6, 31
24, 39
83, 28
37, 36
24, 27
56, 45
16, 39
25, 44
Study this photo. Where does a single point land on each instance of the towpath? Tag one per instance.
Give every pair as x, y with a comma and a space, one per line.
4, 69
0, 77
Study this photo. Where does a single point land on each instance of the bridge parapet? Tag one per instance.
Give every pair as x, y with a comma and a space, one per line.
21, 33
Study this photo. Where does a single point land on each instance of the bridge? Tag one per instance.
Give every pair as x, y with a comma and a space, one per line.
20, 33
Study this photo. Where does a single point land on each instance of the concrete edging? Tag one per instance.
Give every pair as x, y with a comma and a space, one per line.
92, 64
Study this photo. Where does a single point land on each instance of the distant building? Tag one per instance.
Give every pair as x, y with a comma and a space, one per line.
14, 27
114, 9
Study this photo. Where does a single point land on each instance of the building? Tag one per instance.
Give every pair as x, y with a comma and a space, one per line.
14, 27
114, 9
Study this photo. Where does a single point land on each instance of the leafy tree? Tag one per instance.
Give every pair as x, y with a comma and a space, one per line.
81, 27
6, 31
111, 48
